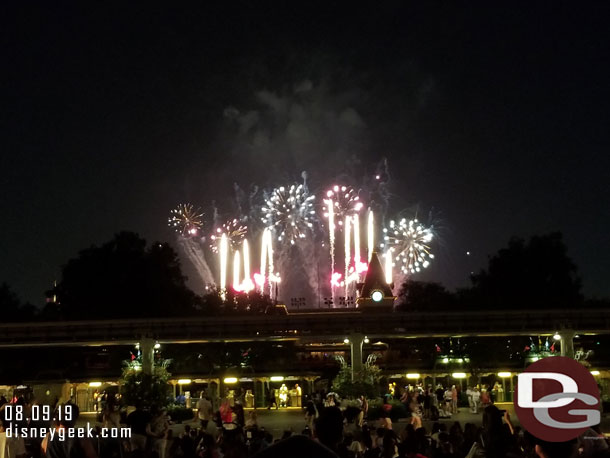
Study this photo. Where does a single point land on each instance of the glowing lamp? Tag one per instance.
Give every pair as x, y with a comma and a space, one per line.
346, 340
95, 384
366, 340
230, 380
557, 336
413, 376
184, 381
594, 372
445, 360
504, 374
157, 345
277, 378
459, 375
377, 295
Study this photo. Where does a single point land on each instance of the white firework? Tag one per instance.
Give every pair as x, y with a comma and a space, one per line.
344, 202
289, 211
409, 243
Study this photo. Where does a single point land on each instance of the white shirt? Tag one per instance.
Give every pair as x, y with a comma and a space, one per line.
204, 409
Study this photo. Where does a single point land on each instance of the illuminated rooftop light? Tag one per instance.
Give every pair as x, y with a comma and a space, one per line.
377, 295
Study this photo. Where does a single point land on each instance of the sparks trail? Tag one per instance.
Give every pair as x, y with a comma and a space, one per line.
233, 230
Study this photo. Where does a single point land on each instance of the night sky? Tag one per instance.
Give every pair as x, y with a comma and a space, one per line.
494, 121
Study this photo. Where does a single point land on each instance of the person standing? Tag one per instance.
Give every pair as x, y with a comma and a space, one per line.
111, 418
469, 396
440, 393
69, 447
485, 397
416, 413
238, 413
226, 413
476, 396
448, 400
2, 439
311, 413
434, 406
364, 410
427, 402
157, 430
454, 399
204, 411
137, 421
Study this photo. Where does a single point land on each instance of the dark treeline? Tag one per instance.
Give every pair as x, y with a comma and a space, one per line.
127, 278
533, 274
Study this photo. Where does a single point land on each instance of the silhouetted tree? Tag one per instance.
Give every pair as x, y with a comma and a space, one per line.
11, 308
124, 278
423, 296
533, 274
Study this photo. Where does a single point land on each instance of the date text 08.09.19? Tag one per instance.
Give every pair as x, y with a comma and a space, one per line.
17, 413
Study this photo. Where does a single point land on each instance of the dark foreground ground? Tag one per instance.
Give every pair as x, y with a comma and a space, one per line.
277, 421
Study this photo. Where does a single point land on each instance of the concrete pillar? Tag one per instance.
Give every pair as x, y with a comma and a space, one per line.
212, 392
147, 347
356, 341
254, 392
567, 342
260, 397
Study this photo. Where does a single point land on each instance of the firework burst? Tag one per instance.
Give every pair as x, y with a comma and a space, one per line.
408, 241
234, 231
186, 220
289, 211
344, 201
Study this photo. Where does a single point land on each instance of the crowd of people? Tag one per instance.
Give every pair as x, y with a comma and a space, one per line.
435, 403
328, 430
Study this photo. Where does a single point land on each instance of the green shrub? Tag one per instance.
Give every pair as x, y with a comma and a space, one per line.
141, 389
399, 410
179, 413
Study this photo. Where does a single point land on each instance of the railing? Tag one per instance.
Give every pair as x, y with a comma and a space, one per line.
300, 326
